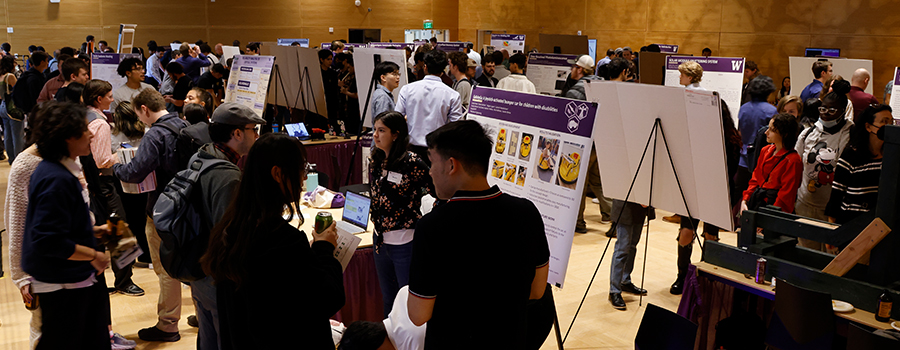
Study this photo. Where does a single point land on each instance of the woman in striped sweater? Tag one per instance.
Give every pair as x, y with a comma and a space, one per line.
858, 171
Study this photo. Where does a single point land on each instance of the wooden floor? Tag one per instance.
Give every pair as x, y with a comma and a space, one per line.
598, 326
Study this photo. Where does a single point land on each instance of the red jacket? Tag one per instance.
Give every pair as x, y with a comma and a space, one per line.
786, 177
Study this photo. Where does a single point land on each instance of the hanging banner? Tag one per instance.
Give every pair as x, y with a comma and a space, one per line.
724, 75
541, 149
104, 65
249, 80
289, 42
665, 48
548, 71
512, 43
390, 45
452, 46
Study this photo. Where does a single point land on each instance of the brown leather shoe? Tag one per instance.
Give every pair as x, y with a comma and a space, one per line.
675, 219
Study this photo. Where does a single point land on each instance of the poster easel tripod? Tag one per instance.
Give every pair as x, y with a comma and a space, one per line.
305, 85
362, 119
655, 132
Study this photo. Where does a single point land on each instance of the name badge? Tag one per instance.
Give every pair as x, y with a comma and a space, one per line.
394, 177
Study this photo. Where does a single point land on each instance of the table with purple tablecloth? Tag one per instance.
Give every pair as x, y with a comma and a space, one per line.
333, 157
363, 293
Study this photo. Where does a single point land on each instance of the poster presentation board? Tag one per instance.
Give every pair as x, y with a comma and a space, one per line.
390, 45
364, 63
549, 71
541, 150
802, 75
452, 46
692, 122
666, 48
177, 46
895, 97
229, 52
512, 43
104, 65
562, 43
724, 75
592, 49
288, 42
248, 81
297, 83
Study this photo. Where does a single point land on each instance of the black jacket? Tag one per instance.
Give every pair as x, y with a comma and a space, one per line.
27, 89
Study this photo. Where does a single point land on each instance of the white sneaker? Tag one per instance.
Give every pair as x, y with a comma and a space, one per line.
118, 342
595, 201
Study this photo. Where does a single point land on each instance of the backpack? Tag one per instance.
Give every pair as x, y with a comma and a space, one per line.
21, 97
755, 148
182, 230
188, 141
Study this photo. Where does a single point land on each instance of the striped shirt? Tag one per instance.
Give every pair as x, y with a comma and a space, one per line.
855, 187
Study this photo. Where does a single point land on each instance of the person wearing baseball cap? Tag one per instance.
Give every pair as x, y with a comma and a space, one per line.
233, 130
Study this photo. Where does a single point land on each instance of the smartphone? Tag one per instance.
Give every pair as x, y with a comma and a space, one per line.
35, 301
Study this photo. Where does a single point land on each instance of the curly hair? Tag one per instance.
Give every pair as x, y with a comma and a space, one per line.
760, 88
693, 70
53, 124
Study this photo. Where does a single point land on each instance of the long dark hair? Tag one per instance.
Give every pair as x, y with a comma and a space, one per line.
259, 205
125, 121
787, 127
397, 124
7, 64
732, 136
859, 136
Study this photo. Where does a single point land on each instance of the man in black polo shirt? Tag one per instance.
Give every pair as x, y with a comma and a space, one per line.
183, 84
481, 253
211, 81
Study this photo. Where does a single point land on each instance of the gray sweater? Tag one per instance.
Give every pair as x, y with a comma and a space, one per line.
217, 186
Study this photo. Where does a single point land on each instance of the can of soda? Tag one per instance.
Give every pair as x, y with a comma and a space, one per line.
760, 270
323, 220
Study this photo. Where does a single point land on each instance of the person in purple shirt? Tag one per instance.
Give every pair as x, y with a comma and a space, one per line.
192, 60
822, 70
752, 116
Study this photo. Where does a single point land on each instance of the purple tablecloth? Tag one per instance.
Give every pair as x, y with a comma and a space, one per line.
333, 159
363, 293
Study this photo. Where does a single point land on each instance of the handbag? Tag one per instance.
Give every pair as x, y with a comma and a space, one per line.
12, 111
765, 196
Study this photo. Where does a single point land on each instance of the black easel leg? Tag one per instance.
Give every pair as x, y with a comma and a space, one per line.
559, 339
678, 181
650, 201
358, 136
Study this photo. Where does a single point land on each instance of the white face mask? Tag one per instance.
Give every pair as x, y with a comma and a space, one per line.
829, 123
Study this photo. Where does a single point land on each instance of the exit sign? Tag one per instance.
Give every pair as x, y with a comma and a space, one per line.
427, 24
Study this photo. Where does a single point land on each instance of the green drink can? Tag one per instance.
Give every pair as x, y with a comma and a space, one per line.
323, 220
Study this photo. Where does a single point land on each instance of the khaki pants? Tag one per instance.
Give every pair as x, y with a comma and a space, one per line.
168, 308
805, 210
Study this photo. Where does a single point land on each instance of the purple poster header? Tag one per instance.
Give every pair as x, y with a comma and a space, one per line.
389, 45
709, 64
552, 59
513, 37
289, 42
328, 45
452, 46
896, 77
665, 48
110, 58
546, 112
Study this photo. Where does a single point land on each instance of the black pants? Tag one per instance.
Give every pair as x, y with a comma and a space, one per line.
136, 216
110, 187
75, 318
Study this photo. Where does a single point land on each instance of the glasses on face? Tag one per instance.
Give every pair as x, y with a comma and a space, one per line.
138, 69
255, 129
829, 111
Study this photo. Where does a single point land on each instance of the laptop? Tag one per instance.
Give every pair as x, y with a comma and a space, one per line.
297, 130
355, 218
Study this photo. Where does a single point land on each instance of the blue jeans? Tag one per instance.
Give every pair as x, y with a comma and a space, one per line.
13, 134
204, 294
627, 238
392, 264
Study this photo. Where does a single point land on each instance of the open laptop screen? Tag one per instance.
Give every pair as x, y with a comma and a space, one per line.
356, 210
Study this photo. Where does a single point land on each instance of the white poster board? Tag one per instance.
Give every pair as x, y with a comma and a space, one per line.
548, 71
692, 123
289, 42
229, 52
541, 150
104, 65
512, 43
177, 46
895, 97
364, 64
248, 81
802, 75
724, 75
297, 83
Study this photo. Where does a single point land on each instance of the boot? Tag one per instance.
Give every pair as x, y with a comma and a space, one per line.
684, 259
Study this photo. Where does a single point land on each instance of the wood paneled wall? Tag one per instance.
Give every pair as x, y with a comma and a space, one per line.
765, 31
38, 22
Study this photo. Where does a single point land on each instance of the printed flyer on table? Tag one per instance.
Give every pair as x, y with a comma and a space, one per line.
541, 150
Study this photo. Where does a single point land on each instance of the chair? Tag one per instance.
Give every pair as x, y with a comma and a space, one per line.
803, 319
662, 329
861, 339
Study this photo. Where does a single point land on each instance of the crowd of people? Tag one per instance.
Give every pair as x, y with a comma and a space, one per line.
817, 155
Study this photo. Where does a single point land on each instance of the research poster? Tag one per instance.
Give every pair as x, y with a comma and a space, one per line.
104, 65
548, 71
249, 80
666, 48
364, 63
895, 97
177, 46
390, 45
541, 149
289, 42
724, 75
449, 47
512, 43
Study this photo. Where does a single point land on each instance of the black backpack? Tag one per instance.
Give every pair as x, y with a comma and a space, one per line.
180, 223
188, 141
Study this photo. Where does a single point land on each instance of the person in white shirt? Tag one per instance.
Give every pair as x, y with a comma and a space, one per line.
133, 71
396, 331
428, 104
155, 71
517, 80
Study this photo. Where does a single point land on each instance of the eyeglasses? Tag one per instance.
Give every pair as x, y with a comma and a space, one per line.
255, 129
829, 111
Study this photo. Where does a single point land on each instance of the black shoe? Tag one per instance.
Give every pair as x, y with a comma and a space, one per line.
612, 231
156, 334
581, 229
132, 290
677, 287
633, 289
615, 299
141, 264
192, 321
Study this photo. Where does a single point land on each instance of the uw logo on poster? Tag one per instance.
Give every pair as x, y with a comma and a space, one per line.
575, 112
